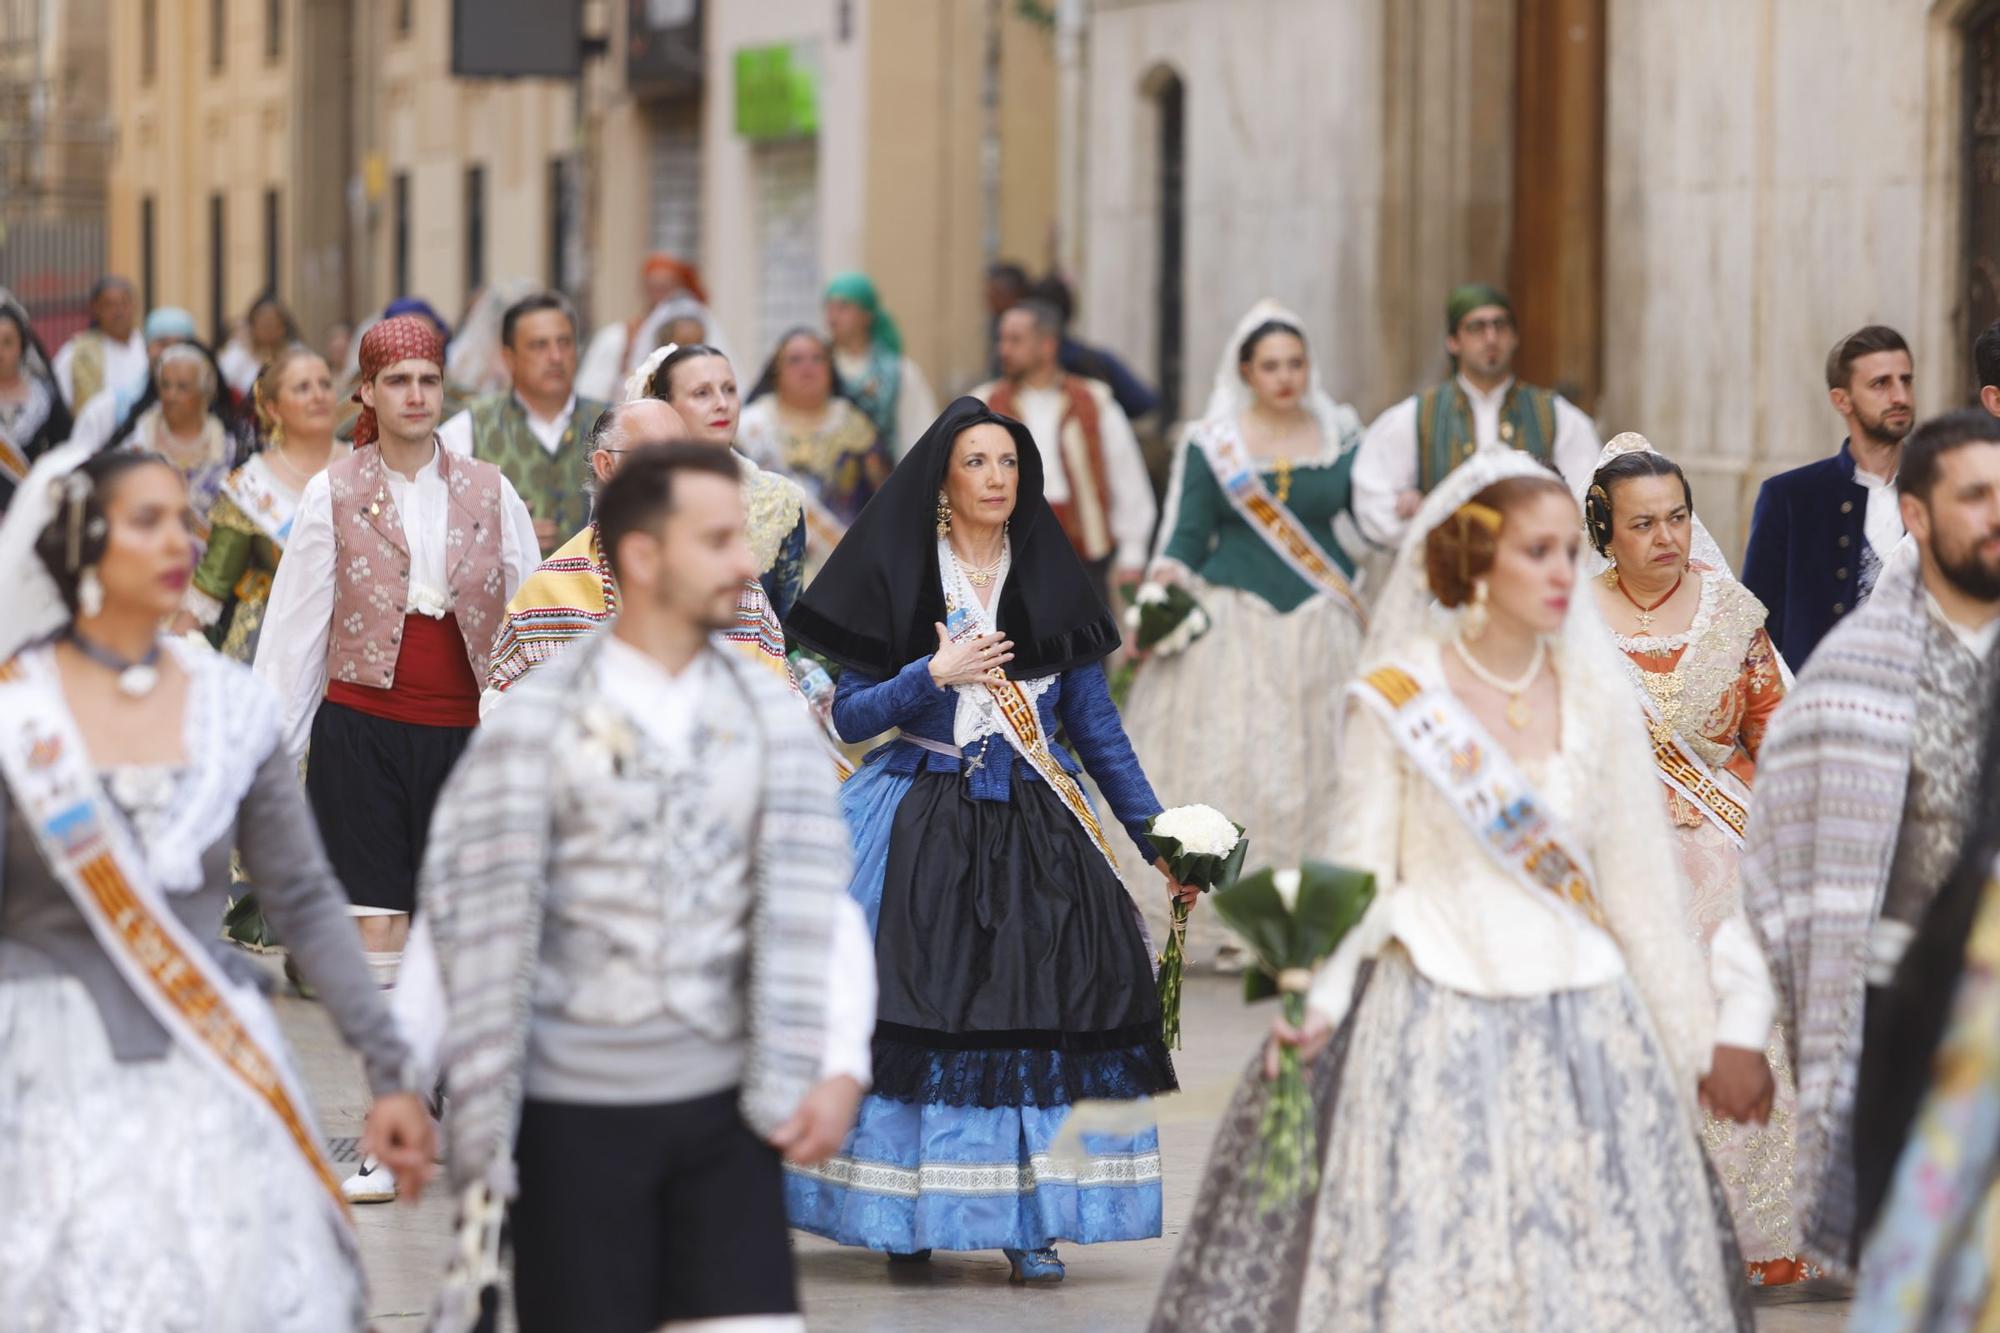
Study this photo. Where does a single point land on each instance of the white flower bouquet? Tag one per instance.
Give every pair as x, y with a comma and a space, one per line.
1204, 848
1292, 919
1164, 619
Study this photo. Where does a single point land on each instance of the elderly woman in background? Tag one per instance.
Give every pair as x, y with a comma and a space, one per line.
800, 421
186, 419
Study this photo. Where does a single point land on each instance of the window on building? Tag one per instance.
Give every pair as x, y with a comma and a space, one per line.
1170, 101
274, 29
218, 256
563, 257
399, 260
147, 290
272, 240
149, 39
475, 229
789, 285
406, 17
218, 34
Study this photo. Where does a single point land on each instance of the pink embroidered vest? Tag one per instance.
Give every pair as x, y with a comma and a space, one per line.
371, 584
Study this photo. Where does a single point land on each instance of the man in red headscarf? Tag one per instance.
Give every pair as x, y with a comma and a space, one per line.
396, 577
616, 348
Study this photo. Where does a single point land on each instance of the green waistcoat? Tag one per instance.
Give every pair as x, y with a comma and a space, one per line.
1444, 427
551, 485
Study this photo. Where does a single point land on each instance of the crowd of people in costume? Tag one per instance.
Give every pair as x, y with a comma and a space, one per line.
726, 812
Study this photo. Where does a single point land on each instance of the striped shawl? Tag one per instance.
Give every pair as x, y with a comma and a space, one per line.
1824, 821
485, 878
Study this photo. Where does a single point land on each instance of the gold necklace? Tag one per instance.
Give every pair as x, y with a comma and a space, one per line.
1283, 491
1519, 715
979, 575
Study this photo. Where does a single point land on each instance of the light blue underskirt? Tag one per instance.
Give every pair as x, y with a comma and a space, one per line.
913, 1177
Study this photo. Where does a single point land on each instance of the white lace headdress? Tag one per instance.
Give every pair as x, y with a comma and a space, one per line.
1229, 397
1621, 810
31, 605
1701, 547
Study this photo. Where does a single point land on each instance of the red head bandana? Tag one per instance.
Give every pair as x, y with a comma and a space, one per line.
402, 338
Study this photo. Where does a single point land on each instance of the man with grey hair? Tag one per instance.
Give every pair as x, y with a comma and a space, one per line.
1092, 470
571, 593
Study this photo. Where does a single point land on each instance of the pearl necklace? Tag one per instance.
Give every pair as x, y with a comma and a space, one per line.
980, 575
1518, 714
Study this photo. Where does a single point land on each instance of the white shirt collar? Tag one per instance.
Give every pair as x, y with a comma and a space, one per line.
1977, 640
568, 410
1484, 399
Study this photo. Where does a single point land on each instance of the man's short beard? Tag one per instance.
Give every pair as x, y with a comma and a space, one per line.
1879, 431
1969, 574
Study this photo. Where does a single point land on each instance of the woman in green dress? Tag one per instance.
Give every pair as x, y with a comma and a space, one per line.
1246, 718
252, 517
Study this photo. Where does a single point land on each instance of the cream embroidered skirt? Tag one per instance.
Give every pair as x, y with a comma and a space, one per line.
145, 1196
1489, 1165
1246, 720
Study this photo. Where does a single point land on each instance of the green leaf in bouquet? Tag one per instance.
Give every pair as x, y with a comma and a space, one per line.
1252, 908
1259, 985
1332, 901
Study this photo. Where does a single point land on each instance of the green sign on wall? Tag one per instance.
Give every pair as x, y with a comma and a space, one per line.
777, 91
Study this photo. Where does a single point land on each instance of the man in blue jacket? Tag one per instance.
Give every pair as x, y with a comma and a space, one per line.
1986, 361
1820, 533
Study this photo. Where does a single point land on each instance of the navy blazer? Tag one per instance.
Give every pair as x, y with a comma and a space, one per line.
866, 705
1804, 559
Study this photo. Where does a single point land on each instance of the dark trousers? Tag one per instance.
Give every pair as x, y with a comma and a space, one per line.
1879, 1130
373, 784
631, 1216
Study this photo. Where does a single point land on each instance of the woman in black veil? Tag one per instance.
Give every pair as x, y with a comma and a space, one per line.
1015, 976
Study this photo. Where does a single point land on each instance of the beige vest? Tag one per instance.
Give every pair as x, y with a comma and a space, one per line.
371, 584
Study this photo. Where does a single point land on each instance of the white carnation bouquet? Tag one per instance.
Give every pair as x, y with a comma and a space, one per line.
1164, 618
1204, 848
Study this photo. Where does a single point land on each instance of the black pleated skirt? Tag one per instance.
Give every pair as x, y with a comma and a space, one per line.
1011, 965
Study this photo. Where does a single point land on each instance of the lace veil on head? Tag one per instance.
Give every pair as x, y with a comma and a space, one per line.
1229, 398
1702, 548
1621, 808
31, 605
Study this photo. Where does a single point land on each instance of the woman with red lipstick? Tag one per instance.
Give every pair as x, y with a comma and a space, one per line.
1705, 671
161, 1161
1252, 527
1508, 1047
250, 520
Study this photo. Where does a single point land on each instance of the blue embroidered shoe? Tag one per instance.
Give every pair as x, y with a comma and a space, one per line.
913, 1257
1037, 1267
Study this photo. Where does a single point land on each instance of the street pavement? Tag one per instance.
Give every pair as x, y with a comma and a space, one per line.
1110, 1287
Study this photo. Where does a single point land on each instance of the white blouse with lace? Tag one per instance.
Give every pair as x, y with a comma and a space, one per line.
1466, 924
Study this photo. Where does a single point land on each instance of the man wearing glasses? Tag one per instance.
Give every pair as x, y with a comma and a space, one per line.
1413, 445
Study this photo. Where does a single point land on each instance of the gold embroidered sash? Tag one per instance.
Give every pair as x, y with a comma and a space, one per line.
1481, 781
1685, 772
88, 849
1280, 528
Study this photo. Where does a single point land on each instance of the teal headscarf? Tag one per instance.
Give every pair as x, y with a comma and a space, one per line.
856, 289
1468, 298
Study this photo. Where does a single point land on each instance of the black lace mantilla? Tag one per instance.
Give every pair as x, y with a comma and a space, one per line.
1020, 1068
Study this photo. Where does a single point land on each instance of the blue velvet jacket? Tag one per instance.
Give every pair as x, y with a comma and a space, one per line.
865, 705
1804, 558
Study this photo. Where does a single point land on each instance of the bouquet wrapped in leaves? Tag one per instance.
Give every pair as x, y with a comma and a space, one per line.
1164, 619
1291, 920
1203, 848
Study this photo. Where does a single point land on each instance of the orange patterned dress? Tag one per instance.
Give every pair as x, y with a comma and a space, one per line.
1717, 685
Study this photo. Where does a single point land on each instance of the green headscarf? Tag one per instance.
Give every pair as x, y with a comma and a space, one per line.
1468, 298
855, 288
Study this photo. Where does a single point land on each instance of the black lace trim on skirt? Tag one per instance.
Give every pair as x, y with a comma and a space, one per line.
995, 1069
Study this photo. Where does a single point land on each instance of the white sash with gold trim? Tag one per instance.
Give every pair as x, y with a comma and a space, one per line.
263, 501
1236, 472
1013, 706
90, 850
13, 463
1688, 773
1480, 780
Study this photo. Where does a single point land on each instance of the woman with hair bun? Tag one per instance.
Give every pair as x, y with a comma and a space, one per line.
1703, 669
1243, 718
1506, 1051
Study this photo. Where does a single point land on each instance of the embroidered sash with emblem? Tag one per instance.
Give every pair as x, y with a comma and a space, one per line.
1280, 528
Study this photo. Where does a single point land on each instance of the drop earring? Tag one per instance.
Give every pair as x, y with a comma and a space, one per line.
943, 516
89, 592
1472, 620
